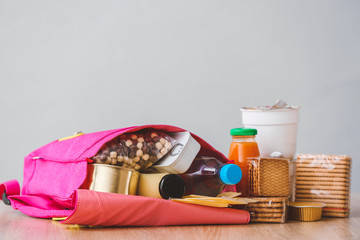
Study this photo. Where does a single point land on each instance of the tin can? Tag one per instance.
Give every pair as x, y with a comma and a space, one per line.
111, 179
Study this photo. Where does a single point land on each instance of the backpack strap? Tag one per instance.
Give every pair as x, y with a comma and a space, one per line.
9, 188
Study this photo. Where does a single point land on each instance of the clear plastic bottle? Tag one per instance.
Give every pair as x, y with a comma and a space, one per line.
208, 176
243, 147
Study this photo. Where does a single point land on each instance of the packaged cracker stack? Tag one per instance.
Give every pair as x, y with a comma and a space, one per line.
326, 179
269, 183
268, 209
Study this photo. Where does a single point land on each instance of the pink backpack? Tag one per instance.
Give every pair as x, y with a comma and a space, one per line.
54, 173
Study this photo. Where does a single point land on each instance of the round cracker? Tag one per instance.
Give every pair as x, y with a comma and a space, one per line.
322, 174
313, 169
324, 184
265, 209
323, 164
322, 188
335, 214
272, 199
267, 215
268, 220
338, 205
322, 191
335, 201
319, 179
268, 205
315, 196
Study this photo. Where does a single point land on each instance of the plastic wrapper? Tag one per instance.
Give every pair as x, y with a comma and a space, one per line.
268, 210
136, 150
326, 179
269, 177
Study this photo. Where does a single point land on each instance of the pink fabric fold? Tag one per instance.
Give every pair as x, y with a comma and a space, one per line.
110, 209
11, 187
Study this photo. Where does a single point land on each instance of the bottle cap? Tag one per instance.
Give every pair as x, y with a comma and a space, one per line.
230, 174
172, 186
243, 132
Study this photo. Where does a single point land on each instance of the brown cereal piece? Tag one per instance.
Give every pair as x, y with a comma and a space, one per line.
108, 160
113, 154
139, 145
128, 143
163, 151
139, 153
158, 145
162, 141
145, 157
168, 145
120, 159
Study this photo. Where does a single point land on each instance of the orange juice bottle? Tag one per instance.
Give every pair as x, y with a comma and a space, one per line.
243, 146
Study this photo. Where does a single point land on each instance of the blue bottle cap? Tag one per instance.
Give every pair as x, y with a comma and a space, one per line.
230, 174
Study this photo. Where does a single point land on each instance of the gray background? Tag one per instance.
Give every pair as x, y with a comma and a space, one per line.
95, 65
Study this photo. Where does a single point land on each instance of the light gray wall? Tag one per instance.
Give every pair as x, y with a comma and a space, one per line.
95, 65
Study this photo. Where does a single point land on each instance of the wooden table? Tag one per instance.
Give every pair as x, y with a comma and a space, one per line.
15, 225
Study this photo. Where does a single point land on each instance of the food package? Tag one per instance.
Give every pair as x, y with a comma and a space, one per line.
181, 156
269, 177
305, 211
136, 150
325, 179
268, 209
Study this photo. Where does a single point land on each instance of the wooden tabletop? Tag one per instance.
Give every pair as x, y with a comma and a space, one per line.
15, 225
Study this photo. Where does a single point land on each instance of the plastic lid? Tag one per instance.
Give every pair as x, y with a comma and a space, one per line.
243, 132
171, 186
230, 174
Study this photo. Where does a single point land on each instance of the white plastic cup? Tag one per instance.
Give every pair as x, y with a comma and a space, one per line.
277, 129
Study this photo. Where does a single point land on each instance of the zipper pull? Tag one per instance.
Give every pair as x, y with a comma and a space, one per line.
76, 134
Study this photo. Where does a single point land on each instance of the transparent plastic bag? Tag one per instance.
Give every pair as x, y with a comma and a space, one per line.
326, 179
269, 177
268, 209
136, 150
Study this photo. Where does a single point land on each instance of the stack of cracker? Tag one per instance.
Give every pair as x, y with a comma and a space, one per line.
268, 209
269, 183
326, 179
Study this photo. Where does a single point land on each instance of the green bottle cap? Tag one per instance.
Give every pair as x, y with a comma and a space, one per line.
243, 132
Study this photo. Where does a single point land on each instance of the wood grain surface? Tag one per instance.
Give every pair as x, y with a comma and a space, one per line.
15, 225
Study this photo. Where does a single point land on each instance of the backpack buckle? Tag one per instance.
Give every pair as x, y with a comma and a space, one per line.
5, 199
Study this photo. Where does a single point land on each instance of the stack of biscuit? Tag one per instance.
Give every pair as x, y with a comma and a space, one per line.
326, 179
268, 209
269, 183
